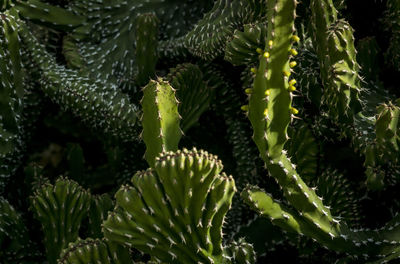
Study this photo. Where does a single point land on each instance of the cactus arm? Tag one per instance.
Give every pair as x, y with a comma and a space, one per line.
95, 102
193, 92
160, 120
242, 48
60, 209
51, 15
14, 241
269, 132
146, 47
334, 42
11, 97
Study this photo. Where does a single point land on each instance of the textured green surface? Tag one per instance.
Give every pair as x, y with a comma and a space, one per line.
176, 210
94, 251
60, 209
160, 120
146, 47
193, 93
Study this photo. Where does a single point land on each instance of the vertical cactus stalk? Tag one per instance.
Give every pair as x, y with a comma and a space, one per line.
334, 42
160, 119
146, 47
11, 96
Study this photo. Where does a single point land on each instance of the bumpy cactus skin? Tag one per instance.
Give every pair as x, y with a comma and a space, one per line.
60, 209
94, 251
11, 97
334, 42
175, 211
146, 47
161, 131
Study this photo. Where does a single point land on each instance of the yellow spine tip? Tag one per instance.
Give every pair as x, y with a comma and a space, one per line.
270, 43
292, 64
286, 73
266, 54
294, 110
292, 82
248, 91
244, 108
253, 70
292, 88
293, 52
295, 38
266, 112
259, 51
268, 92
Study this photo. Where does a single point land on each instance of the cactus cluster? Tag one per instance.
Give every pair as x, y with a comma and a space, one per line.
117, 119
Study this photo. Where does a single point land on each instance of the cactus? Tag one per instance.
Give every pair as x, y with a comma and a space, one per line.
146, 47
334, 42
99, 207
94, 251
193, 93
176, 210
14, 239
64, 86
60, 209
160, 107
12, 92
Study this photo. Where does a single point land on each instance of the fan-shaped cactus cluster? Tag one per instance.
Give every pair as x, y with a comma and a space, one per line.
110, 110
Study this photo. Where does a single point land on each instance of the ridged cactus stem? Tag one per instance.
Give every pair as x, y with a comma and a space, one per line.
146, 47
272, 82
334, 42
160, 120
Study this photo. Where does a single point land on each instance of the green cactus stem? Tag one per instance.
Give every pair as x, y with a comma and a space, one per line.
160, 120
97, 103
60, 209
334, 43
146, 26
192, 91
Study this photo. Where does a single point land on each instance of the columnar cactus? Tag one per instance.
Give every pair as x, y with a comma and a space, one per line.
334, 42
161, 131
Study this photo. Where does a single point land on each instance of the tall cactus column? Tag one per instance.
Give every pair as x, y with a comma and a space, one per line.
270, 112
334, 42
